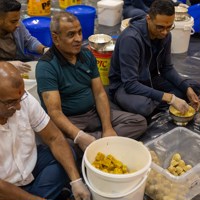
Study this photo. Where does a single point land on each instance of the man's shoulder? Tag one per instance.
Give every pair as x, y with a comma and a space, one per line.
48, 56
86, 51
47, 65
86, 55
20, 30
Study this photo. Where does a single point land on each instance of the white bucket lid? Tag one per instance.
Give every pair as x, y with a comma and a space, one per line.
110, 4
183, 24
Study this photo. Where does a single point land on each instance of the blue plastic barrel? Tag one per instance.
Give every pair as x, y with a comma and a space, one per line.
39, 27
183, 1
86, 16
194, 11
196, 26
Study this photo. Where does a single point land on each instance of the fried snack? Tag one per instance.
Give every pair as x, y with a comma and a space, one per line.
177, 165
109, 164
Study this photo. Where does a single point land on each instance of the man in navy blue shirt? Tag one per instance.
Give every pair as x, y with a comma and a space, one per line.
142, 75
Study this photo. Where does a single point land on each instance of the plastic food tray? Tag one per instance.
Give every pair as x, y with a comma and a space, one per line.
161, 185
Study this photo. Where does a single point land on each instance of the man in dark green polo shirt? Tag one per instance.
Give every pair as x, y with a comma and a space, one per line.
71, 91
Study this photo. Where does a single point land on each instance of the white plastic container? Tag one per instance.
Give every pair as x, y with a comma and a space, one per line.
163, 185
124, 24
136, 193
130, 152
31, 84
181, 35
109, 12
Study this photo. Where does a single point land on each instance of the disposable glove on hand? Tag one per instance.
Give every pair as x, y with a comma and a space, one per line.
21, 66
83, 140
79, 190
179, 104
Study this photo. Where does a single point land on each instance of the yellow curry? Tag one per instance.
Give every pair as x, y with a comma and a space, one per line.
177, 113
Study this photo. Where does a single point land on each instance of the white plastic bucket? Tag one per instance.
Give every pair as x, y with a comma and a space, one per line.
136, 193
131, 152
181, 35
124, 24
109, 12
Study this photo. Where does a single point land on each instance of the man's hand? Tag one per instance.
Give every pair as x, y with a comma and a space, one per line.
193, 98
21, 66
83, 140
179, 104
79, 190
109, 132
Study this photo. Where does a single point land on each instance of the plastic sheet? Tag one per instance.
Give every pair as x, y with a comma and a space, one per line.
188, 64
162, 122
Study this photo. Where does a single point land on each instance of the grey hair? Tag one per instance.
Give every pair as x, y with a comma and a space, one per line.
58, 17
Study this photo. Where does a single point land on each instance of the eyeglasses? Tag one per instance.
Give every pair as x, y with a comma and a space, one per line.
11, 104
161, 28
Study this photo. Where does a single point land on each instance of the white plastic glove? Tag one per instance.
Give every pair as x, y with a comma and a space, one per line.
179, 104
79, 190
21, 66
83, 139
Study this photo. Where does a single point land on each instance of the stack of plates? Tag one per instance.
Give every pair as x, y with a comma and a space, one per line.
124, 24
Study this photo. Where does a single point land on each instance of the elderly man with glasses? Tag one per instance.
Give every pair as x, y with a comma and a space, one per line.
28, 171
142, 77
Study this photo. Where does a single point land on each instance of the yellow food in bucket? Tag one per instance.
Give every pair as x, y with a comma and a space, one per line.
177, 113
109, 164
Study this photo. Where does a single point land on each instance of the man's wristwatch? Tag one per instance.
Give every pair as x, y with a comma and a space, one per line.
45, 49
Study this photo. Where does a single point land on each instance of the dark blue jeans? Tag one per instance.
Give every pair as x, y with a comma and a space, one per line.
130, 12
50, 177
146, 106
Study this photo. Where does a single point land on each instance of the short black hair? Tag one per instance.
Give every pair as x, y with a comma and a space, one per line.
161, 7
9, 6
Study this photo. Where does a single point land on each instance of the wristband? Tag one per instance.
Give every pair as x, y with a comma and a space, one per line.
77, 180
79, 133
45, 49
